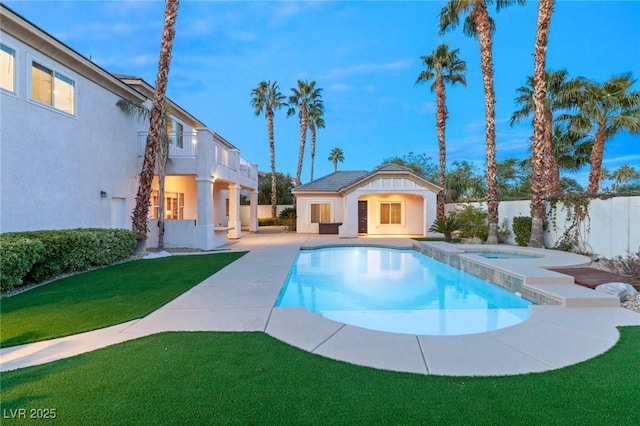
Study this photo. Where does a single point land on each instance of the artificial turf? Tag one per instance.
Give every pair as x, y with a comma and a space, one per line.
103, 297
251, 378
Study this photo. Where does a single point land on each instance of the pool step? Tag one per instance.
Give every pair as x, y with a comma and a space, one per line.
574, 296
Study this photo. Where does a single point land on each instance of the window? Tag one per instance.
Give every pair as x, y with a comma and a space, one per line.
52, 88
320, 213
7, 68
391, 213
175, 131
173, 205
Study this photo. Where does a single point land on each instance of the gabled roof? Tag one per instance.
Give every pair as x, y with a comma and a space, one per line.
345, 181
333, 182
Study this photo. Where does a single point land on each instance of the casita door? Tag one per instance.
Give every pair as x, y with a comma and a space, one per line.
362, 217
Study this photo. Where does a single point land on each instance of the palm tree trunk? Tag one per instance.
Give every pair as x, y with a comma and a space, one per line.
141, 210
163, 156
441, 119
483, 26
552, 165
313, 148
272, 151
541, 126
303, 139
596, 159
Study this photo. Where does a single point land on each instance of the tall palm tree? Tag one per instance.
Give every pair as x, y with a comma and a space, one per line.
162, 159
624, 174
603, 111
303, 96
442, 66
560, 96
141, 210
316, 121
335, 156
267, 97
479, 23
541, 125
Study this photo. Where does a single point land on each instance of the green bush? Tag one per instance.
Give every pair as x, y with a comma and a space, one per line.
522, 229
472, 222
71, 250
446, 225
18, 257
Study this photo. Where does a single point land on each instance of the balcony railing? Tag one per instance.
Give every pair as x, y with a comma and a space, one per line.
181, 145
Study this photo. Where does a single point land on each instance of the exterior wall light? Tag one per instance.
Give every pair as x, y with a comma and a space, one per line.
103, 194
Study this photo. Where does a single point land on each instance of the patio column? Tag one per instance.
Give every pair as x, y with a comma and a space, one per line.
253, 211
234, 212
204, 235
349, 228
425, 226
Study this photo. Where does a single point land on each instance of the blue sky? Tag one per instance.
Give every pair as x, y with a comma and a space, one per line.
366, 57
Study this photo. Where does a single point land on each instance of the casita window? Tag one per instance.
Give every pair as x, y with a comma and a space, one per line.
391, 213
320, 213
52, 88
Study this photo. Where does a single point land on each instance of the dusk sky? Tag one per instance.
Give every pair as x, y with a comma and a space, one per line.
366, 58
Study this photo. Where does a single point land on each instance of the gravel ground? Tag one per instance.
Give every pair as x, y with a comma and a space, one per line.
632, 303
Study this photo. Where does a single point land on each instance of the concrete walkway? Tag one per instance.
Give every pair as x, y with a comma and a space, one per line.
241, 297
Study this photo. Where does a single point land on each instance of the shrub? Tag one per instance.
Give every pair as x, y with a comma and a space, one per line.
522, 229
288, 213
446, 225
72, 250
18, 257
504, 233
472, 222
625, 265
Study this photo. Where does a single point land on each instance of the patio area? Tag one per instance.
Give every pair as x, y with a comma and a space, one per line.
241, 297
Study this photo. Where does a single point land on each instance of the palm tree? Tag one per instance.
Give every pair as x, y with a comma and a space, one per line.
623, 174
141, 210
316, 121
266, 96
335, 156
603, 111
560, 95
604, 175
442, 66
541, 125
144, 113
479, 23
303, 96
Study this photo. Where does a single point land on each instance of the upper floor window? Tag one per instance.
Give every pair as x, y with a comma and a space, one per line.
175, 131
7, 68
52, 88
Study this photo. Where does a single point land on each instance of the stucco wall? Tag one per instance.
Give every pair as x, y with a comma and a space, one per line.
613, 227
53, 165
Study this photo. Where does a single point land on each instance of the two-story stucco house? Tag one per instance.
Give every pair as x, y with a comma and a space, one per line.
70, 157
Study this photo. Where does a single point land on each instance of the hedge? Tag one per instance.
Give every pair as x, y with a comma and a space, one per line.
36, 256
522, 229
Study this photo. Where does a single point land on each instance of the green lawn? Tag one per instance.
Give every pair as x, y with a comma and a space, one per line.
103, 297
250, 378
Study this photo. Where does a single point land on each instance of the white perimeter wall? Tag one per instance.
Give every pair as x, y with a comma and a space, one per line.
613, 229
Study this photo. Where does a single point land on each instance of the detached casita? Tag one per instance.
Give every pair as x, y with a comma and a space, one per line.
70, 157
391, 200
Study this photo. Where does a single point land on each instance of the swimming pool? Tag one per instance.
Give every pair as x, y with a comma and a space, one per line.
400, 291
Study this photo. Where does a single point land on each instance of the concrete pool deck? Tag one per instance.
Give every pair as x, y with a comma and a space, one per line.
241, 297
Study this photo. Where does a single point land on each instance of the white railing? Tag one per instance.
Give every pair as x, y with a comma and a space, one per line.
180, 144
246, 168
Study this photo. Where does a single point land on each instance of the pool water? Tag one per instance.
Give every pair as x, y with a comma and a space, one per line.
400, 291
